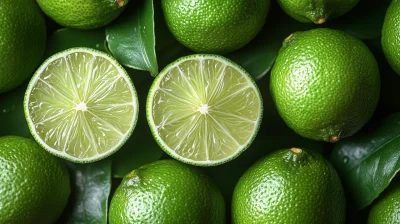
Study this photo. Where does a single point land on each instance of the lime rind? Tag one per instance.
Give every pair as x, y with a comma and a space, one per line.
191, 93
122, 74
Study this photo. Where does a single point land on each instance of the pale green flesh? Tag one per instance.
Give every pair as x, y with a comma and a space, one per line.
205, 110
58, 99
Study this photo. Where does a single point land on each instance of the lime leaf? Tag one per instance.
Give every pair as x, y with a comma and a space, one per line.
90, 190
368, 161
131, 39
364, 21
12, 118
66, 38
140, 148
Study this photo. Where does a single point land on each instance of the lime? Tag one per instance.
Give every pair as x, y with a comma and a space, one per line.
168, 192
325, 84
386, 209
289, 186
34, 185
204, 109
22, 41
316, 11
81, 105
391, 34
87, 14
215, 26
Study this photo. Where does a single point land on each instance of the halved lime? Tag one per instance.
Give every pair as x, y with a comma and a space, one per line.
81, 105
204, 109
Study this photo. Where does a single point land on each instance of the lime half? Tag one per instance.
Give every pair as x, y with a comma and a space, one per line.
81, 105
204, 109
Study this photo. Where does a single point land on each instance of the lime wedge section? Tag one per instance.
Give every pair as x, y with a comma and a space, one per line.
204, 109
81, 105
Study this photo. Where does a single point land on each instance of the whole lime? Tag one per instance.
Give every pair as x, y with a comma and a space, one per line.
83, 14
34, 185
210, 26
22, 41
391, 35
316, 11
325, 84
168, 192
386, 209
289, 186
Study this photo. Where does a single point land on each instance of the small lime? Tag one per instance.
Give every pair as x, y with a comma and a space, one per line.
87, 14
386, 209
316, 11
391, 35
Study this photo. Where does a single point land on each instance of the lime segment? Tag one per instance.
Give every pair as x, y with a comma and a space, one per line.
81, 105
204, 109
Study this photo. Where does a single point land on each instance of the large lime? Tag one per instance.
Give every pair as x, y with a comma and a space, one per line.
289, 186
22, 41
168, 192
34, 185
325, 84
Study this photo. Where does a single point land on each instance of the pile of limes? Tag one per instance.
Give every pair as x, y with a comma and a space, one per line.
204, 110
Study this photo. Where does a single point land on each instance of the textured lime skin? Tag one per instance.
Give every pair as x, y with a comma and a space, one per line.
34, 185
316, 11
83, 14
168, 192
325, 84
22, 41
210, 26
386, 209
391, 35
287, 187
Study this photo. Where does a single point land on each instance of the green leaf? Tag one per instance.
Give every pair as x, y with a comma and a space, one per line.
131, 39
90, 191
12, 117
141, 148
368, 161
66, 38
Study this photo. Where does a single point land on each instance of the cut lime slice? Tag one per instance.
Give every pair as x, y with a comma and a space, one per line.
204, 109
81, 105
